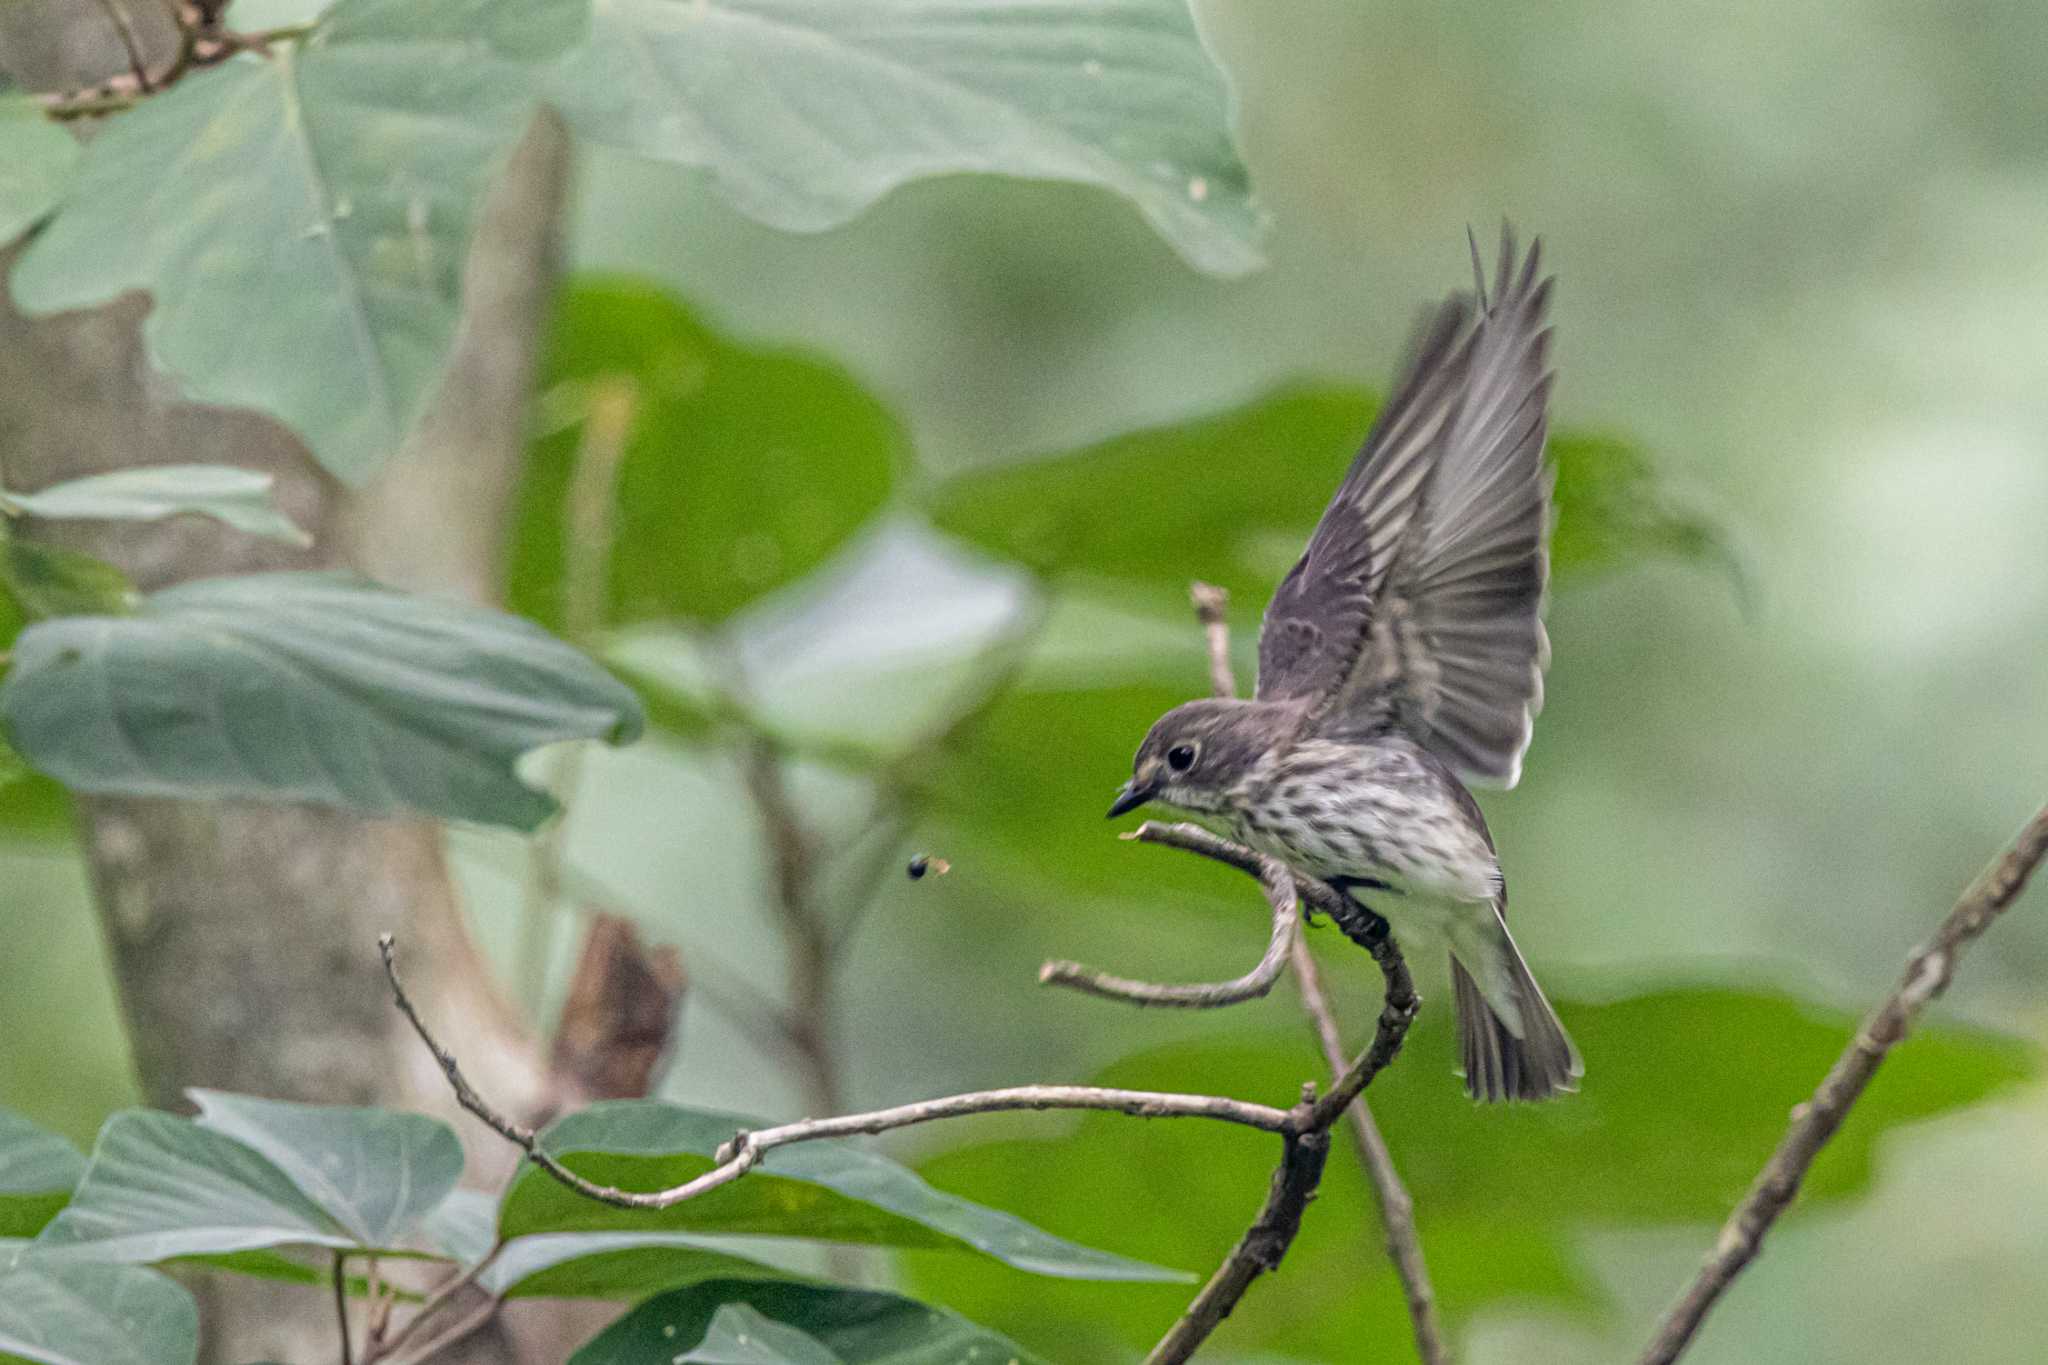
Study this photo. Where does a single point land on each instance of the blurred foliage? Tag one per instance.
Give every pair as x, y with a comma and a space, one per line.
1231, 498
1687, 1090
744, 468
41, 157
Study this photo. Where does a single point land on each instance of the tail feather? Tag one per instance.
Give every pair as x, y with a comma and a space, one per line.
1533, 1061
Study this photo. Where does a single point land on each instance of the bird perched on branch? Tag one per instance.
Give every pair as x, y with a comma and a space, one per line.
1403, 653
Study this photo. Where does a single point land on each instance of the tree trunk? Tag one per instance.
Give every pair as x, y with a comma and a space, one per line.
243, 935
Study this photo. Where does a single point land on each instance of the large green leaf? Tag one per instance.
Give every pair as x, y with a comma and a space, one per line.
832, 1191
311, 687
1231, 498
742, 469
1686, 1093
37, 1173
238, 497
612, 1265
160, 1186
37, 158
855, 1326
57, 1312
375, 1171
739, 1334
806, 111
302, 219
250, 1174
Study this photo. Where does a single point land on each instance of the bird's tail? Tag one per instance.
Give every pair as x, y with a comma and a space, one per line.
1516, 1052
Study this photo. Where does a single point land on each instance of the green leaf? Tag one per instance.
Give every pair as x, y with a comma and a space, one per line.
37, 159
309, 687
741, 469
302, 219
238, 497
612, 1265
160, 1187
46, 581
249, 1175
57, 1312
1231, 499
38, 1171
1685, 1095
855, 1326
740, 1335
807, 111
375, 1171
830, 1191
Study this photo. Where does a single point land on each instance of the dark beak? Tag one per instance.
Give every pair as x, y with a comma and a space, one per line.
1131, 797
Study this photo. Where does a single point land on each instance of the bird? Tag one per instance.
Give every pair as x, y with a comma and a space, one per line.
1401, 658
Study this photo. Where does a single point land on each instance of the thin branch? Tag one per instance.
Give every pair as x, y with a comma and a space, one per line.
434, 1303
1211, 609
1261, 1248
1278, 884
806, 934
1927, 975
459, 1331
130, 43
1397, 1208
746, 1149
340, 1277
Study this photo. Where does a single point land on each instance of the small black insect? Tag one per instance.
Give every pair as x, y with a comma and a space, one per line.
923, 863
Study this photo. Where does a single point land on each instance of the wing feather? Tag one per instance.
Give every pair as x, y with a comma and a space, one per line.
1418, 602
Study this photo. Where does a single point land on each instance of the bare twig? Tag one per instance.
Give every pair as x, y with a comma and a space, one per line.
1278, 884
464, 1327
202, 42
1261, 1248
435, 1302
1211, 609
340, 1277
806, 934
1927, 975
1397, 1207
746, 1149
117, 15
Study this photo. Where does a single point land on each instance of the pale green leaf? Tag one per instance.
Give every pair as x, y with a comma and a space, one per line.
375, 1171
240, 498
302, 219
307, 687
807, 111
38, 1170
37, 159
61, 1312
160, 1186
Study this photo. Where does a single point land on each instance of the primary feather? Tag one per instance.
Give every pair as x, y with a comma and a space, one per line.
1418, 601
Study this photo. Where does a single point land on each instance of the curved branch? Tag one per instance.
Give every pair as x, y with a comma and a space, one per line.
1278, 884
746, 1149
1927, 975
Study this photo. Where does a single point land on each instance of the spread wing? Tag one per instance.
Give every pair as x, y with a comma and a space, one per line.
1418, 601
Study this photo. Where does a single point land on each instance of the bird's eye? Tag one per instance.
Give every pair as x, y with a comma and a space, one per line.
1181, 757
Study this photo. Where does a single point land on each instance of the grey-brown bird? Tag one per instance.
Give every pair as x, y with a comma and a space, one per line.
1401, 657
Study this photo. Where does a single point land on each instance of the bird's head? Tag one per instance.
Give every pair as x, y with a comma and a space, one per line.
1197, 752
